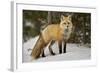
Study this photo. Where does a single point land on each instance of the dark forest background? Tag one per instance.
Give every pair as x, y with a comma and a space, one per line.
35, 21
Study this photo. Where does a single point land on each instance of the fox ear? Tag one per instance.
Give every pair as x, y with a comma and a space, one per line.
62, 17
70, 17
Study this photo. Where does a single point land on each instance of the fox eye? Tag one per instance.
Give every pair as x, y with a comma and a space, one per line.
68, 23
64, 23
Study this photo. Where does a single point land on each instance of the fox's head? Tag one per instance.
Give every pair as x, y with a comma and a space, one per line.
66, 23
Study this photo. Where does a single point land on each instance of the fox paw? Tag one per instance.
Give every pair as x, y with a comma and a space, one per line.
53, 53
43, 56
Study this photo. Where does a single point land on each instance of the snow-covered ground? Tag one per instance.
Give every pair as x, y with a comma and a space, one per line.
74, 52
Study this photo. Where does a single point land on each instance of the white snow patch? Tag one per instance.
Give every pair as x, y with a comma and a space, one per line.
74, 52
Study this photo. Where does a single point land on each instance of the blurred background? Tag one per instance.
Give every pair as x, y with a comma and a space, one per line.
35, 21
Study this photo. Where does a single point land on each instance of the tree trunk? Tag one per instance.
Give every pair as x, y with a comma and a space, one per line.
49, 17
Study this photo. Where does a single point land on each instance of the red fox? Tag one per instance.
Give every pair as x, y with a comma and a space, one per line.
53, 32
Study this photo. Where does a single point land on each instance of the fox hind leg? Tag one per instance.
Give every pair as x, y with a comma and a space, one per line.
50, 49
43, 54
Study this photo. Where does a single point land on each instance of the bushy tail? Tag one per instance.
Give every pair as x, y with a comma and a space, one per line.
36, 51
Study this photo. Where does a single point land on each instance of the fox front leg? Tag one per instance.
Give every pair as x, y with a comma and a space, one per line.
64, 49
60, 47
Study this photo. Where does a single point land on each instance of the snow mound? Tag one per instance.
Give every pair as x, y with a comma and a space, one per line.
74, 52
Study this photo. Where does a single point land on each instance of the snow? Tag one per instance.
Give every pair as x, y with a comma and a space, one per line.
74, 52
